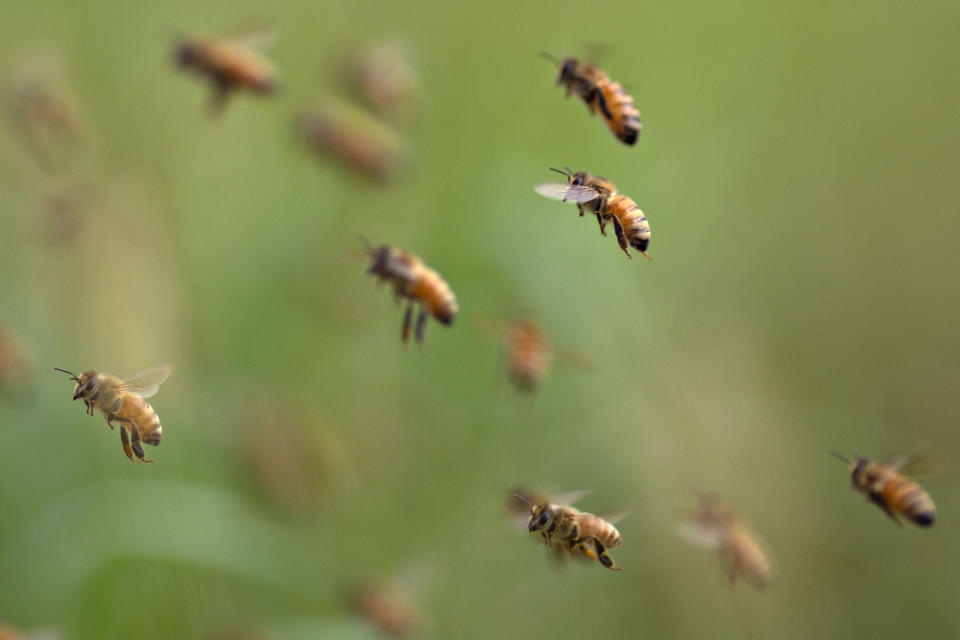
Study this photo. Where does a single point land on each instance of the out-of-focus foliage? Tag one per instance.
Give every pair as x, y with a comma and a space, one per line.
797, 165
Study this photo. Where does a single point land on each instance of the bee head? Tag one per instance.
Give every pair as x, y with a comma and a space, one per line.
185, 52
540, 517
86, 383
855, 466
566, 74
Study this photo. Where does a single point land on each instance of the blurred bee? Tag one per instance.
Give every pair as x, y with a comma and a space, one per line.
383, 78
46, 114
601, 95
887, 486
388, 609
715, 526
229, 64
123, 401
528, 351
16, 365
360, 143
599, 196
418, 283
578, 531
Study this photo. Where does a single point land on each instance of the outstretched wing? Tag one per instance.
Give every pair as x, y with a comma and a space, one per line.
146, 383
566, 192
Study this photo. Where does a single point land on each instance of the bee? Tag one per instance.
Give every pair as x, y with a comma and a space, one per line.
528, 351
599, 196
714, 526
418, 283
123, 401
601, 95
383, 78
388, 608
578, 531
229, 64
887, 486
47, 115
362, 144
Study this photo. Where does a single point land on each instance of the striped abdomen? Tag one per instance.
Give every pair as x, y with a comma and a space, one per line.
434, 294
146, 420
621, 114
595, 526
908, 499
634, 223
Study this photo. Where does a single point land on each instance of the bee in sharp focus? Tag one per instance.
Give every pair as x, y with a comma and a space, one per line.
418, 283
599, 196
528, 351
123, 401
578, 531
229, 64
887, 486
601, 95
715, 526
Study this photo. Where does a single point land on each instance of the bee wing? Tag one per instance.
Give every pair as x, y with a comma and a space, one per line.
566, 192
921, 465
613, 517
701, 534
146, 383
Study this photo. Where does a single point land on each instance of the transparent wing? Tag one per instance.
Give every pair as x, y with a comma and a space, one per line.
146, 383
566, 192
701, 534
922, 465
613, 517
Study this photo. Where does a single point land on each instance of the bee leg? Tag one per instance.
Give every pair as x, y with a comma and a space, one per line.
218, 97
621, 236
602, 556
126, 443
421, 325
137, 448
877, 499
407, 317
603, 225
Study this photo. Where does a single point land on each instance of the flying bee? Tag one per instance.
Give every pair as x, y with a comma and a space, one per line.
418, 283
887, 486
123, 401
361, 143
714, 526
383, 77
578, 531
601, 95
229, 64
528, 351
599, 196
388, 608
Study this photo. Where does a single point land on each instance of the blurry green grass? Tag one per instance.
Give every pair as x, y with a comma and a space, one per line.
797, 169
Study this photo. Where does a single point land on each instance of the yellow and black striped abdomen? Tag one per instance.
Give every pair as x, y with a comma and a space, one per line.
622, 116
144, 418
634, 223
435, 295
908, 499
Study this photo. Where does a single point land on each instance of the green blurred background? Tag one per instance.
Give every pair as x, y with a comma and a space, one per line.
798, 166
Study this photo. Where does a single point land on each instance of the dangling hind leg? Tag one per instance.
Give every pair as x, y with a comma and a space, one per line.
407, 317
137, 449
421, 325
602, 556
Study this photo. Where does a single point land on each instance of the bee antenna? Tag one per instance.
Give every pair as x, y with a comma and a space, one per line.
521, 499
566, 173
840, 456
366, 243
69, 373
544, 54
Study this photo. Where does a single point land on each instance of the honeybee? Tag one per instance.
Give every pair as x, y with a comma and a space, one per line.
389, 609
418, 283
123, 401
578, 531
601, 95
362, 144
46, 113
383, 78
229, 64
528, 351
599, 196
714, 526
891, 490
